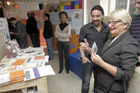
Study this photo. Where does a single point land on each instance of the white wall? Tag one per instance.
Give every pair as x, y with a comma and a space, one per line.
21, 11
105, 5
90, 4
52, 2
112, 5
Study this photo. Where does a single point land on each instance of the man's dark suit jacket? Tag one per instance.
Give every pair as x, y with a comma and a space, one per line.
122, 53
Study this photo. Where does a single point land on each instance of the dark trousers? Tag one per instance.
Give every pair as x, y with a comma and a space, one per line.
63, 47
87, 69
35, 39
49, 43
22, 42
111, 91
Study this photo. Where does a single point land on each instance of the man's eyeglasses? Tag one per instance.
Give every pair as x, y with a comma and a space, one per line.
114, 22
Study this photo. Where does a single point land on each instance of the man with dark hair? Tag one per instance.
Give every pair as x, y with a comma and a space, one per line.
48, 35
12, 29
20, 31
96, 31
32, 30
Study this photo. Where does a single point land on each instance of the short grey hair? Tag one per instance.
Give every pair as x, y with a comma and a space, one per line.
122, 15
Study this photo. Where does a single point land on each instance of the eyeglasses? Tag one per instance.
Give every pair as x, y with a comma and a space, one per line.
114, 22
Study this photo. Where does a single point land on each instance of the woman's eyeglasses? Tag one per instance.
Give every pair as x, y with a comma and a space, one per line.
114, 22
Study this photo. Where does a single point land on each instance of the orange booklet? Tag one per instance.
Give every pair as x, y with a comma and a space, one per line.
19, 62
17, 80
17, 74
39, 57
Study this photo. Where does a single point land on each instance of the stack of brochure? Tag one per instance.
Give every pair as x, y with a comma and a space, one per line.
26, 74
19, 64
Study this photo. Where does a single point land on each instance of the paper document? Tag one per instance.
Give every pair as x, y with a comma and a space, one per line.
4, 78
46, 70
29, 74
94, 48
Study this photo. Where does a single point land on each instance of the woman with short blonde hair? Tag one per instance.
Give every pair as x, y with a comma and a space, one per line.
122, 15
117, 60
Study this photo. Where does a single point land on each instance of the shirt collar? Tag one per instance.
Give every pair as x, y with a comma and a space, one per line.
91, 25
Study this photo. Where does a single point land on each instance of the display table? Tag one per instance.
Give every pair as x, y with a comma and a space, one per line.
41, 84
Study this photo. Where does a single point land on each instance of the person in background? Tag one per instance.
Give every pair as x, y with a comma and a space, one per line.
117, 60
96, 31
12, 29
20, 31
48, 35
63, 33
32, 30
135, 26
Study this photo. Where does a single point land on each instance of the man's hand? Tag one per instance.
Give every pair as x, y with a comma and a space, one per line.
139, 59
11, 33
84, 45
85, 60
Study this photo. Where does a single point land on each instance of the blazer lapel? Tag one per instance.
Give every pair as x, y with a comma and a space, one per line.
107, 46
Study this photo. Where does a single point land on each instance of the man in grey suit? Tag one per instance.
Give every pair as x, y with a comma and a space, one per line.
20, 32
117, 61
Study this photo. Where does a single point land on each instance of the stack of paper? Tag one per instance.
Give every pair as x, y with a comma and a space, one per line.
26, 74
17, 76
43, 59
19, 62
4, 78
11, 68
12, 48
46, 70
39, 60
38, 72
30, 51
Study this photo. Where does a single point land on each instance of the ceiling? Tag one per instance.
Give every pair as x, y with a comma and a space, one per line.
41, 1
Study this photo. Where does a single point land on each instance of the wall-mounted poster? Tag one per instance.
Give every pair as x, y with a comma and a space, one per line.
68, 5
53, 8
75, 20
4, 28
54, 18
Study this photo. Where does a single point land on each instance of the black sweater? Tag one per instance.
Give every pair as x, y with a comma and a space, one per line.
31, 26
48, 30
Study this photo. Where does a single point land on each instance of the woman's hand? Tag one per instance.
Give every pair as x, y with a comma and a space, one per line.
106, 66
96, 59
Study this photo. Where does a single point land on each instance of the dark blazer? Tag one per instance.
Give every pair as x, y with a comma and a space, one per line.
122, 53
31, 26
48, 30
